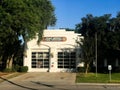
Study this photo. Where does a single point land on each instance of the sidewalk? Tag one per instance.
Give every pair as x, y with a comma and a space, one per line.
99, 84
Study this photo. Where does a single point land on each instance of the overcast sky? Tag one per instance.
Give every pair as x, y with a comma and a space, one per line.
70, 12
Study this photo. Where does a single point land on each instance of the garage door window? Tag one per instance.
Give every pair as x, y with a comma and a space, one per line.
40, 60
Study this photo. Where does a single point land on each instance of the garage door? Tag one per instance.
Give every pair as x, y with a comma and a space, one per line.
67, 59
40, 59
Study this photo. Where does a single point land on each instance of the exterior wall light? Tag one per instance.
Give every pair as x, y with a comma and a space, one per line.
51, 55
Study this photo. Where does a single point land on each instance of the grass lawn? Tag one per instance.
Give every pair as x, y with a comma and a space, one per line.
101, 78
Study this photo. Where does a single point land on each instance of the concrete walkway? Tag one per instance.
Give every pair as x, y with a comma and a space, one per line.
46, 77
38, 81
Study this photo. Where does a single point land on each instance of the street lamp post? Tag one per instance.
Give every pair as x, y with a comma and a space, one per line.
96, 51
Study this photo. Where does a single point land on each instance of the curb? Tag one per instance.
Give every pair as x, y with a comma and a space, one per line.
99, 84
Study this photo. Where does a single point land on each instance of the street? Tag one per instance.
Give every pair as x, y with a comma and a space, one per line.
9, 85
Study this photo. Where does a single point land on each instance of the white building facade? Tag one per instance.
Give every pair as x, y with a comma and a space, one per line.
57, 52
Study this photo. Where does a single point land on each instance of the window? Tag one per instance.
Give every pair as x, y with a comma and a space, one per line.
40, 59
66, 59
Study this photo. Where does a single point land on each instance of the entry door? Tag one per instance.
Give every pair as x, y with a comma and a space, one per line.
40, 60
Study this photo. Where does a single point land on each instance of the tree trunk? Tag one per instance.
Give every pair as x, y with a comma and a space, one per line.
87, 67
9, 62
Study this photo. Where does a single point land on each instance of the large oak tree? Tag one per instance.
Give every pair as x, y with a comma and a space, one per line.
22, 18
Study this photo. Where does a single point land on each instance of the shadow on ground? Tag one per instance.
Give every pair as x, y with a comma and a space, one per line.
38, 83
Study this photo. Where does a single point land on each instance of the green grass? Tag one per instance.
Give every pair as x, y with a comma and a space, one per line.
101, 78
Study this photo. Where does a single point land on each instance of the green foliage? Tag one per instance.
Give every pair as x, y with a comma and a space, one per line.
22, 18
81, 69
27, 17
108, 37
17, 68
23, 69
9, 70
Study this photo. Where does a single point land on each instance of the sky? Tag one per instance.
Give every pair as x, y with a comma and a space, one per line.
70, 12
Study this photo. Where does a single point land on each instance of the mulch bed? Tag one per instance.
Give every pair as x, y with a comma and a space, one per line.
1, 74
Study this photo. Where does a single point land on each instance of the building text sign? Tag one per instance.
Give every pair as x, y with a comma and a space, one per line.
54, 39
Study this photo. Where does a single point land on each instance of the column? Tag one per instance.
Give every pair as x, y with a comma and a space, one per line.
53, 60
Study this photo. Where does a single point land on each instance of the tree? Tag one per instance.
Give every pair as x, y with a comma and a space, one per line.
90, 26
87, 52
108, 37
23, 18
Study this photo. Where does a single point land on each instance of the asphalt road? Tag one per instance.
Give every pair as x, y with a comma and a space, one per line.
50, 81
9, 85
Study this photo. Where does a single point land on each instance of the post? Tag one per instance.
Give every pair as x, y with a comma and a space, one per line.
96, 51
109, 68
110, 75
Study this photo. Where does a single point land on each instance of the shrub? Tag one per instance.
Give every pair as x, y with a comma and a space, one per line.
7, 70
117, 69
23, 69
81, 69
17, 68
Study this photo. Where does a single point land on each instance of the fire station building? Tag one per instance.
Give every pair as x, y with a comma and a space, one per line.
58, 51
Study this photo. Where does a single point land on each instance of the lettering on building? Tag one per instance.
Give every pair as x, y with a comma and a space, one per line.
54, 39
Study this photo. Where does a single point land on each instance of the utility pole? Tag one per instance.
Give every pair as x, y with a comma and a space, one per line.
96, 51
